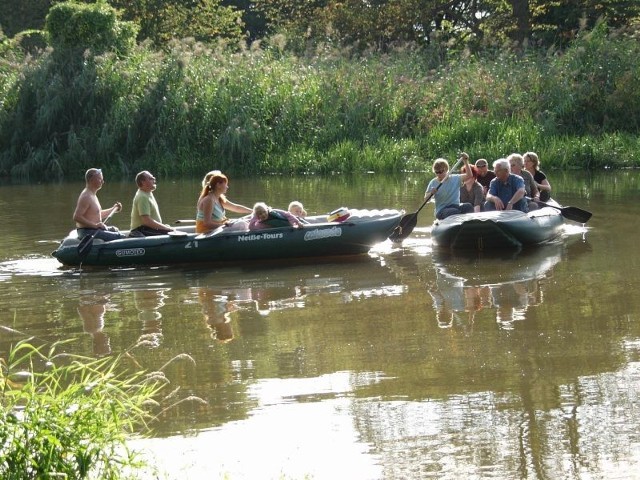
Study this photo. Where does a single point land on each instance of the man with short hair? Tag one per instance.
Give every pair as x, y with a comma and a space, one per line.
484, 174
89, 215
145, 213
506, 191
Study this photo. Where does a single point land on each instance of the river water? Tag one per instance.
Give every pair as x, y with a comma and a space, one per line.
408, 362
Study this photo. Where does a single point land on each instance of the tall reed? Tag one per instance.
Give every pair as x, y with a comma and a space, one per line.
250, 110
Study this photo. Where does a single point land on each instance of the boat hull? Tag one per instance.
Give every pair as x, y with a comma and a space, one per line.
357, 235
497, 230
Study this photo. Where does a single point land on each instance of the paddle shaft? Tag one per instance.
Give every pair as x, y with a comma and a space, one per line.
84, 247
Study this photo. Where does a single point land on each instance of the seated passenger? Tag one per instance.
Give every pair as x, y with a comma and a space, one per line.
516, 162
506, 191
267, 217
210, 209
145, 213
471, 191
484, 175
296, 209
532, 164
89, 215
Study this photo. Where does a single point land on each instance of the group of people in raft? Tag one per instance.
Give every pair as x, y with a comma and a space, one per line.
211, 207
515, 183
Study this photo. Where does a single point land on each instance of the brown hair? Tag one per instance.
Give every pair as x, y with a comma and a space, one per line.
534, 159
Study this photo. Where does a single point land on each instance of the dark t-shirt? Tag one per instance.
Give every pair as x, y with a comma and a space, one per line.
544, 194
486, 180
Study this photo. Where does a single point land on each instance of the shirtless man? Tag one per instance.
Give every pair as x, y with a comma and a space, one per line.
89, 215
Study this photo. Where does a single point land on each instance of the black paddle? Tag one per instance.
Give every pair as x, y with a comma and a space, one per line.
408, 222
572, 213
84, 247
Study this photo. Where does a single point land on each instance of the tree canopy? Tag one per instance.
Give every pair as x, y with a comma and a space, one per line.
360, 23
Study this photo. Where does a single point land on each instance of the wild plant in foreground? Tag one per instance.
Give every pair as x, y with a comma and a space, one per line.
67, 416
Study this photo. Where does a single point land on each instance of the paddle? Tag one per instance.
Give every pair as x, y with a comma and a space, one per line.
184, 220
408, 222
84, 247
572, 213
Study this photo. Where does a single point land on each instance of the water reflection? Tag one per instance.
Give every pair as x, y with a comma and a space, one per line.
148, 303
91, 309
216, 309
507, 284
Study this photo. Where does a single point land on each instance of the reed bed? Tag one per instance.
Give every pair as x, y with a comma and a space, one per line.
263, 110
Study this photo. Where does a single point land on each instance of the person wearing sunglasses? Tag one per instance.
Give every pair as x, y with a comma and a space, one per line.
445, 188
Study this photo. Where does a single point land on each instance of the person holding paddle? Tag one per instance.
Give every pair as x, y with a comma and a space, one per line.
445, 188
89, 216
213, 202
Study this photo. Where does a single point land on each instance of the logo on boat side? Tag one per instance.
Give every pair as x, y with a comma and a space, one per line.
319, 234
260, 236
130, 252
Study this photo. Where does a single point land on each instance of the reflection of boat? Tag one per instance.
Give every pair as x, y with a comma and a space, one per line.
497, 230
356, 235
510, 284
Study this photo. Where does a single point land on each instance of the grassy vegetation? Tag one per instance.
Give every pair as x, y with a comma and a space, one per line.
69, 417
197, 107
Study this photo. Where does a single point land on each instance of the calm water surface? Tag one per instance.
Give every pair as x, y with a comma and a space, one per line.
405, 363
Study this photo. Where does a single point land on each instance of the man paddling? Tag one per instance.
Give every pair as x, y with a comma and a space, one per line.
89, 215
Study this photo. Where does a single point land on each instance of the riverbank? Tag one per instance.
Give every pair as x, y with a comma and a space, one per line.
195, 107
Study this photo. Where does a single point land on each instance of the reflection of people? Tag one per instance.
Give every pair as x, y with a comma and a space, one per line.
88, 214
511, 301
216, 309
266, 217
445, 188
213, 203
148, 304
145, 213
92, 310
506, 191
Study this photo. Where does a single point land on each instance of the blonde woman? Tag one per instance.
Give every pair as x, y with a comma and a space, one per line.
213, 203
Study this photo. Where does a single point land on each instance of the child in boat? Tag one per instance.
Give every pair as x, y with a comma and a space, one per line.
297, 210
266, 217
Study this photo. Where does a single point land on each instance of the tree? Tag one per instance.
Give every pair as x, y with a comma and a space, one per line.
163, 20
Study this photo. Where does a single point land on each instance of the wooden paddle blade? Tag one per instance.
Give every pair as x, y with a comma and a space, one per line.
404, 228
576, 214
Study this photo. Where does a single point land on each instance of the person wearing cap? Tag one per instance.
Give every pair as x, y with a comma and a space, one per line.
485, 175
506, 191
89, 215
445, 188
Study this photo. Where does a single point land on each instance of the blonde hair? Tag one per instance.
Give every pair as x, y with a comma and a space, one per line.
439, 164
260, 206
208, 176
297, 204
